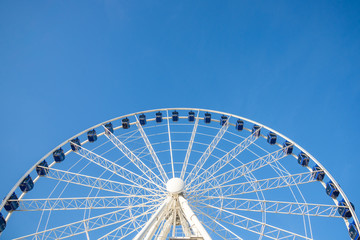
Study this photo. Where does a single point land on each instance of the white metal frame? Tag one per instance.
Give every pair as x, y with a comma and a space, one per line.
188, 216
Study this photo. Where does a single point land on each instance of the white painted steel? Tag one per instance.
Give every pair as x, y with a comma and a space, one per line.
175, 186
150, 187
192, 219
151, 150
153, 220
204, 157
151, 176
191, 142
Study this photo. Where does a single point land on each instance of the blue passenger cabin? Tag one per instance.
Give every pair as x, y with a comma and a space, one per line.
92, 136
75, 144
271, 138
109, 128
41, 168
207, 118
344, 210
158, 117
223, 120
318, 173
303, 159
288, 147
27, 184
125, 123
59, 155
254, 129
175, 116
331, 190
2, 223
142, 119
13, 204
191, 117
239, 125
353, 232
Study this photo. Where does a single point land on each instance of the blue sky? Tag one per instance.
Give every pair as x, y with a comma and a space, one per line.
291, 65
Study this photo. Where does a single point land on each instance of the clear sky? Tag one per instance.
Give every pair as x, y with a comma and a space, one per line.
291, 65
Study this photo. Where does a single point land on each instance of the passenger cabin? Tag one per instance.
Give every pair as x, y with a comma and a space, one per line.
2, 223
223, 120
75, 144
92, 136
59, 155
142, 119
125, 123
331, 190
27, 184
271, 138
344, 210
288, 147
353, 232
256, 130
12, 203
175, 116
41, 169
303, 159
158, 117
318, 173
191, 117
239, 125
109, 128
207, 118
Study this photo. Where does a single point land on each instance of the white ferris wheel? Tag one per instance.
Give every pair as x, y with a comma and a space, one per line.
177, 174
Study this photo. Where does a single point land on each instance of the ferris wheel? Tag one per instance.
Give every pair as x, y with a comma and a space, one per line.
181, 173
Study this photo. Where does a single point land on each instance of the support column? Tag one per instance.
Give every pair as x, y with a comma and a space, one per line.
153, 220
192, 218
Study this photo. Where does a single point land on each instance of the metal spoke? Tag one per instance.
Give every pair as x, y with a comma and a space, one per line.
116, 169
191, 142
151, 176
114, 233
170, 145
227, 158
282, 207
204, 157
122, 231
255, 226
99, 183
91, 224
262, 184
244, 169
50, 204
219, 229
151, 150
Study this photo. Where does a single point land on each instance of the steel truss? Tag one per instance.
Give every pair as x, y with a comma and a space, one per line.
226, 159
91, 224
85, 203
221, 196
254, 205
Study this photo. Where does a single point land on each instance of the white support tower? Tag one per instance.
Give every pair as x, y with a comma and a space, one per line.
174, 211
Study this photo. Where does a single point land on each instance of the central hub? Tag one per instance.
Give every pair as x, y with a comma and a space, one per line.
175, 185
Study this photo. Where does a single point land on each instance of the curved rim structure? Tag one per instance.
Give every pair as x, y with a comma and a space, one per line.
185, 186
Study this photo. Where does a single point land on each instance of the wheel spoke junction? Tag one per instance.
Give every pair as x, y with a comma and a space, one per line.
183, 173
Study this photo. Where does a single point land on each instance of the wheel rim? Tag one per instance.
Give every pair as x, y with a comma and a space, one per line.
204, 157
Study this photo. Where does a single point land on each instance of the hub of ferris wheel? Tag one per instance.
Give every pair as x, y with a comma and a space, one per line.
176, 211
